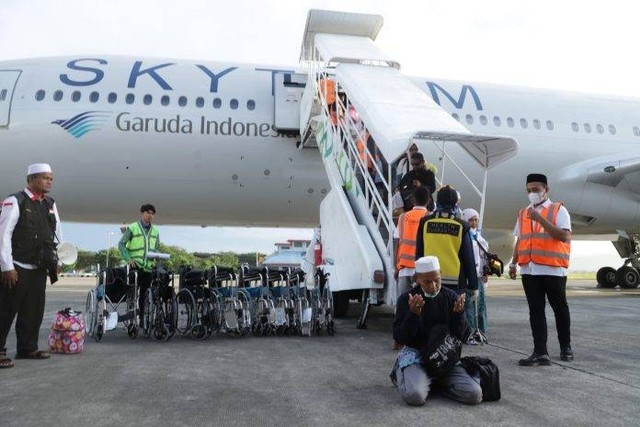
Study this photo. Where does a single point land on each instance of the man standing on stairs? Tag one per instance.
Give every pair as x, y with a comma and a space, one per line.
418, 176
405, 242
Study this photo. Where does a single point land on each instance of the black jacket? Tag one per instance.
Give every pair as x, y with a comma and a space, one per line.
412, 330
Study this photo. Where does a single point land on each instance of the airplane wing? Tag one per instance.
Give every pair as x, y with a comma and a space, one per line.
614, 172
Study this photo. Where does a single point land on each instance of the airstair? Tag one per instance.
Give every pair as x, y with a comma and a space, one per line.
362, 114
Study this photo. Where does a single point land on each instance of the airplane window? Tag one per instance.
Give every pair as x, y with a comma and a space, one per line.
40, 95
217, 103
3, 94
612, 129
536, 124
510, 122
112, 98
469, 118
483, 120
455, 116
549, 125
129, 98
199, 102
57, 95
147, 99
575, 127
600, 128
251, 105
497, 121
94, 96
75, 96
164, 100
587, 127
182, 101
523, 123
636, 131
233, 104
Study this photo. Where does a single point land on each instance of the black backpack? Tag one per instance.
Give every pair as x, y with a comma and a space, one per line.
488, 373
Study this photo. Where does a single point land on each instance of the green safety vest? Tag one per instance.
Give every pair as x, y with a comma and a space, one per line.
141, 243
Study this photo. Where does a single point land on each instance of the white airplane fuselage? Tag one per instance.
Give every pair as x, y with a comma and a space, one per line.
212, 155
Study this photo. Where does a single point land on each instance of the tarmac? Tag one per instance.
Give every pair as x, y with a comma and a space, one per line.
330, 380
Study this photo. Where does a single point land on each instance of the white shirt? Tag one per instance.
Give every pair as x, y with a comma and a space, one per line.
9, 217
405, 272
563, 221
480, 260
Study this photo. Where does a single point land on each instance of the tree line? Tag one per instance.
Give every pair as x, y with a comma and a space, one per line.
88, 260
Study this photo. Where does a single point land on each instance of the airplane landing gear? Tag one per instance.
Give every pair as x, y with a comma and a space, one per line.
627, 276
606, 277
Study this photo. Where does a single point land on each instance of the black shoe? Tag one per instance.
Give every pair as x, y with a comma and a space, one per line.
535, 360
566, 354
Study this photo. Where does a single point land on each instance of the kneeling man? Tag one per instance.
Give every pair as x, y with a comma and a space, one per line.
426, 310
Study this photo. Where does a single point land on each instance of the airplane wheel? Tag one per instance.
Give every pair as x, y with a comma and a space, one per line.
628, 277
606, 277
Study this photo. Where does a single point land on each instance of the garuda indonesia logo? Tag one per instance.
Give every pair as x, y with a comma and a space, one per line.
83, 122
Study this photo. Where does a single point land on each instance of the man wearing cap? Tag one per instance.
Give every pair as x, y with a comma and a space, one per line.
140, 238
542, 249
447, 237
425, 311
418, 176
29, 229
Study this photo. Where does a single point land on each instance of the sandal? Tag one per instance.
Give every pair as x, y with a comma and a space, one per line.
37, 355
5, 362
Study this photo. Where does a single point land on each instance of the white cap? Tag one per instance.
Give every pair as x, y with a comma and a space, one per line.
39, 168
469, 213
427, 264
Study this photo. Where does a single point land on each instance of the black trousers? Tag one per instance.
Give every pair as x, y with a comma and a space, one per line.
144, 282
554, 288
26, 300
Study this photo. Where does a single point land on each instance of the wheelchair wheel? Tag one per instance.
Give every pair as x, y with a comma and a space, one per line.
199, 331
161, 332
171, 315
90, 311
185, 314
132, 330
148, 315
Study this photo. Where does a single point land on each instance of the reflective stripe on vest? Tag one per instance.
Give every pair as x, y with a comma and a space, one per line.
141, 243
408, 230
538, 246
442, 237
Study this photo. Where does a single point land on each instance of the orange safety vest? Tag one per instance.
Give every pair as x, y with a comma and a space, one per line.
328, 90
408, 231
536, 245
361, 145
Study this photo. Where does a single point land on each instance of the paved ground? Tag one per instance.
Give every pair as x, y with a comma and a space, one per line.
340, 380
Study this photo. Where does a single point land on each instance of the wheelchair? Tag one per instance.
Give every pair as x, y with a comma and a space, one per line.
253, 282
160, 312
114, 297
195, 317
322, 304
234, 303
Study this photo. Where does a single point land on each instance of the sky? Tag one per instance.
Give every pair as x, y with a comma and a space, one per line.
578, 46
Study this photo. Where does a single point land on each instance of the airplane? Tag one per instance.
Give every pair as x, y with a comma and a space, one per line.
205, 142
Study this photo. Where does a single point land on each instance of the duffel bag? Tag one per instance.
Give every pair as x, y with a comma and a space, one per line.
67, 332
488, 373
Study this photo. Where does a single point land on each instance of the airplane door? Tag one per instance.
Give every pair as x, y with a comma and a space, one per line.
8, 80
288, 93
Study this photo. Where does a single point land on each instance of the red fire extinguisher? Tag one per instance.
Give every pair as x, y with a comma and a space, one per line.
317, 253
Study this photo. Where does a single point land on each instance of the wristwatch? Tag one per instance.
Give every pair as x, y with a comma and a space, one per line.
512, 265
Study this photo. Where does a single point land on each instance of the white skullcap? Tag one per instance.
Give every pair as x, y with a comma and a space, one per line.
427, 264
39, 168
469, 213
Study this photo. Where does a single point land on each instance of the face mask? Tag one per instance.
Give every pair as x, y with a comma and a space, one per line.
535, 198
426, 295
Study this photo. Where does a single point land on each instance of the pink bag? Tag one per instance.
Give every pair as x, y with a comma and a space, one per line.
67, 332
